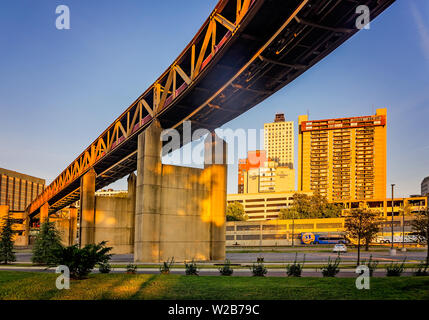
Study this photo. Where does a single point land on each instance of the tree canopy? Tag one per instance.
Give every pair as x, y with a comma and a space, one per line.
47, 242
421, 226
362, 224
307, 207
235, 212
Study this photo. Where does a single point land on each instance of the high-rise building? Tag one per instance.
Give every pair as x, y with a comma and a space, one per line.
254, 160
425, 186
18, 190
269, 178
343, 159
279, 141
258, 174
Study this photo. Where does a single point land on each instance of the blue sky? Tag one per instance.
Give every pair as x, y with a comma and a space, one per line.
60, 89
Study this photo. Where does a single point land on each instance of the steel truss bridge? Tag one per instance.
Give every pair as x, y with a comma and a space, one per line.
245, 51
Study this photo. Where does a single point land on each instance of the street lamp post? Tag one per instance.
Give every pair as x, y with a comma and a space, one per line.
293, 227
392, 248
403, 228
427, 229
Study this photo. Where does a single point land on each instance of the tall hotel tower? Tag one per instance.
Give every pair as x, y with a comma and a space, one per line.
279, 141
343, 159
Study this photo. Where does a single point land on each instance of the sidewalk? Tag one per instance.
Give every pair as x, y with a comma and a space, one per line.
182, 270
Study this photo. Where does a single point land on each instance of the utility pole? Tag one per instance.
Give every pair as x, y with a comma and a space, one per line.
392, 248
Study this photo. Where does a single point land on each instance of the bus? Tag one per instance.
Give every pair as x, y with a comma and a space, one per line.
321, 238
410, 237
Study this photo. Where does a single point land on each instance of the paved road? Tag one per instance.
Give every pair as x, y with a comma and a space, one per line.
382, 256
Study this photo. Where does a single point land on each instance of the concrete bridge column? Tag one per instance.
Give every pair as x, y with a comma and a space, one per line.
27, 229
132, 185
44, 213
148, 189
87, 208
73, 225
215, 161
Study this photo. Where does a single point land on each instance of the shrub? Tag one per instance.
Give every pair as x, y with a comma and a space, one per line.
422, 270
131, 268
295, 269
191, 269
82, 261
395, 269
372, 265
6, 244
166, 266
47, 244
331, 269
104, 267
226, 270
259, 269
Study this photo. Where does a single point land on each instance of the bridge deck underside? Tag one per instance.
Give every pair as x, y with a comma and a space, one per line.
321, 26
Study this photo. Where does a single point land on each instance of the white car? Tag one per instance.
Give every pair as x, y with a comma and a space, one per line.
340, 248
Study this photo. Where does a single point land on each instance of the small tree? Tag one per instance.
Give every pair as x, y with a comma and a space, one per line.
6, 244
82, 261
362, 224
421, 226
235, 212
47, 243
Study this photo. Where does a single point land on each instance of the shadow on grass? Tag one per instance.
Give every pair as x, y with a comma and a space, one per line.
107, 295
142, 287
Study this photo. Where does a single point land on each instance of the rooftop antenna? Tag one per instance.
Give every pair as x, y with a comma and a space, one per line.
308, 114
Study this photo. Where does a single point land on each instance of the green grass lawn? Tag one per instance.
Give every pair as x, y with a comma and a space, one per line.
28, 285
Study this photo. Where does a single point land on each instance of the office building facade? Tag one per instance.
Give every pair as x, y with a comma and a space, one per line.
425, 186
279, 141
343, 159
18, 190
263, 206
254, 160
269, 178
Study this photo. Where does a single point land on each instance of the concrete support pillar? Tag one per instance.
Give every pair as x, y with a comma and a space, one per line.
215, 159
132, 185
26, 241
44, 213
148, 203
73, 225
87, 208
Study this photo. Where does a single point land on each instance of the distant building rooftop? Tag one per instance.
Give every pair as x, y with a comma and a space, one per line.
280, 117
